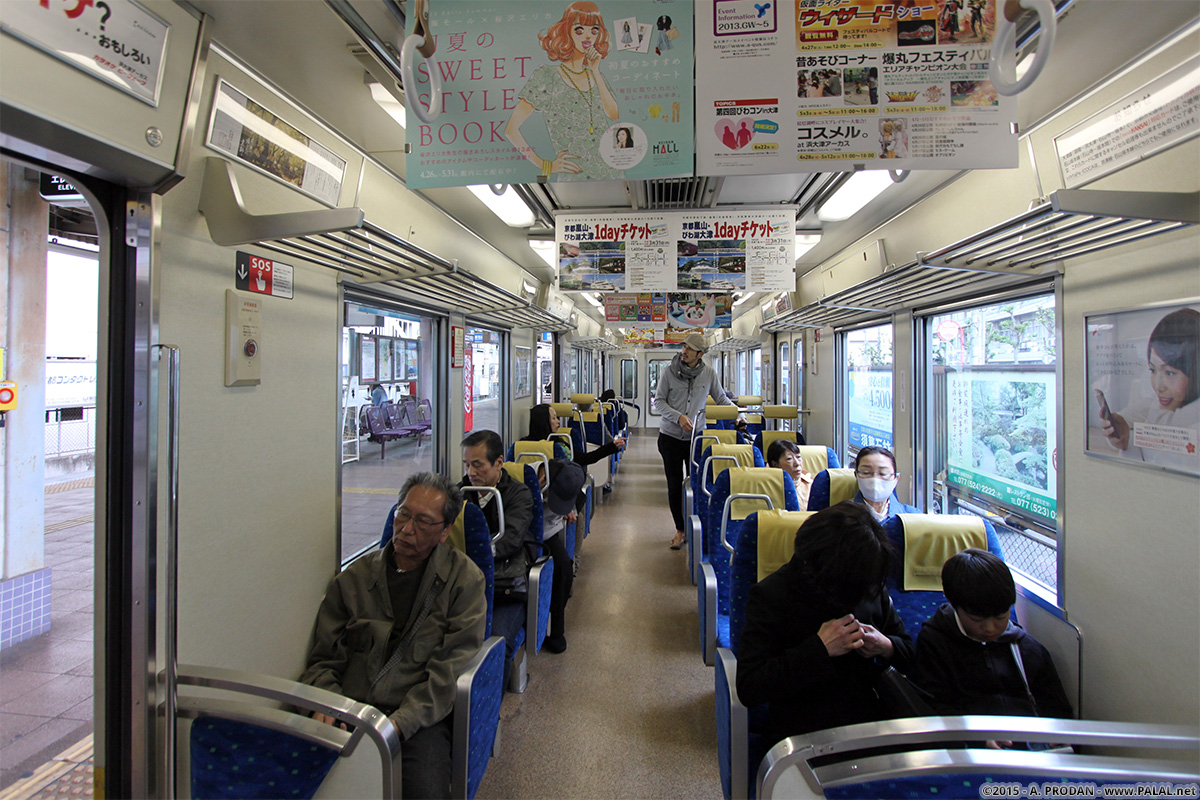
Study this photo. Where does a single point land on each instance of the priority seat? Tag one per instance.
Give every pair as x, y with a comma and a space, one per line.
923, 543
737, 494
766, 542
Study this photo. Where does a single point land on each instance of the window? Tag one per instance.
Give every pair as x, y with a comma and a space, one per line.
798, 354
785, 370
391, 348
654, 368
867, 387
739, 374
756, 372
629, 378
992, 424
487, 405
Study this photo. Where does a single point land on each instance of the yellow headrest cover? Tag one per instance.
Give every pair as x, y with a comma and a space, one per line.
583, 399
749, 400
744, 453
755, 480
777, 538
781, 412
723, 436
770, 437
714, 413
815, 457
517, 471
563, 410
754, 419
545, 448
930, 539
842, 485
589, 416
458, 531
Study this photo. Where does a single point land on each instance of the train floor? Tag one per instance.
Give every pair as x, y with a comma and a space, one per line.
626, 711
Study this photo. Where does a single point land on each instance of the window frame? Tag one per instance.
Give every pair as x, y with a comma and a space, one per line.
841, 404
922, 319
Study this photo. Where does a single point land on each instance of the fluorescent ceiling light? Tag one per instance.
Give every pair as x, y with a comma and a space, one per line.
591, 298
806, 242
547, 249
508, 206
745, 296
391, 105
855, 193
1025, 63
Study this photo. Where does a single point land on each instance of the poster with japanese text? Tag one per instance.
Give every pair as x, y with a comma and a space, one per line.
671, 309
887, 84
563, 90
750, 250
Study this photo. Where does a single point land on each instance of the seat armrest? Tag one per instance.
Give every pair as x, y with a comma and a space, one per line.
732, 716
537, 604
478, 693
706, 590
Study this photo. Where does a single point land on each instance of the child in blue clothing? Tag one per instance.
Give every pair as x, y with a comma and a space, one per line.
972, 659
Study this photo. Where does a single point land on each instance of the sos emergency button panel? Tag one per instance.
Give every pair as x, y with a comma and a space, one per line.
243, 332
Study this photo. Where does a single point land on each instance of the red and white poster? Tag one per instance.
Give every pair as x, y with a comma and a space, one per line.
468, 391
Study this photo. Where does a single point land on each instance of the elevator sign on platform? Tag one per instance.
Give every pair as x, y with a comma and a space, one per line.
261, 275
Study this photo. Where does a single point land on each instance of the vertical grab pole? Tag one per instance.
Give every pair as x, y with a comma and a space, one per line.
171, 621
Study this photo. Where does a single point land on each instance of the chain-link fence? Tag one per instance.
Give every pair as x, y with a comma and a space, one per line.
70, 431
1028, 552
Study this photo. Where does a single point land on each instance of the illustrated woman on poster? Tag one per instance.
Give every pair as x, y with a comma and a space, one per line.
1173, 358
576, 101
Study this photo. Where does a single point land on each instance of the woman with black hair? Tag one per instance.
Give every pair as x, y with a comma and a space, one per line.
543, 422
821, 629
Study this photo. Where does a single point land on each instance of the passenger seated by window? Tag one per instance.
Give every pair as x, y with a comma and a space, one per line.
875, 469
417, 598
566, 481
516, 549
821, 628
784, 454
543, 421
972, 659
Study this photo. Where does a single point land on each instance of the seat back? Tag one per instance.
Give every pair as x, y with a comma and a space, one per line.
764, 440
817, 457
723, 416
563, 438
922, 543
832, 486
727, 514
395, 415
716, 459
528, 475
779, 414
376, 420
766, 542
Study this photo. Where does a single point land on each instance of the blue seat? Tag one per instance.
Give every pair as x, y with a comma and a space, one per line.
724, 527
832, 486
712, 462
916, 606
695, 502
739, 741
541, 577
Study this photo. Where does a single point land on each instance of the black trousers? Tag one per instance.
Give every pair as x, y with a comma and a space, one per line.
674, 454
564, 576
425, 762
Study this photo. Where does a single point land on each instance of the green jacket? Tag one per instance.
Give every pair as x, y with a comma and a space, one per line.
349, 642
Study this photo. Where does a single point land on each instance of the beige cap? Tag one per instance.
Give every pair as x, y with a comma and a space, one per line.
697, 342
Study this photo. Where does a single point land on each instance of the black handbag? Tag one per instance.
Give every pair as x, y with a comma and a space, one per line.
901, 697
512, 578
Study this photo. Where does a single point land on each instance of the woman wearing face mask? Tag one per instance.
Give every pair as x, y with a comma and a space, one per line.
875, 469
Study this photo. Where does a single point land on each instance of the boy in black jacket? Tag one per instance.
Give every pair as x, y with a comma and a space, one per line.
972, 659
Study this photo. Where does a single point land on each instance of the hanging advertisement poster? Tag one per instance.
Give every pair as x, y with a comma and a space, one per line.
614, 252
560, 90
1143, 379
677, 310
644, 309
878, 83
1002, 429
749, 250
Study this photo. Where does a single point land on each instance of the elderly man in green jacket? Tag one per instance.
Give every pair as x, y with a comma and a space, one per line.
398, 626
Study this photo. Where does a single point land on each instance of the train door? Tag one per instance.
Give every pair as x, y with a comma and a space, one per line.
655, 365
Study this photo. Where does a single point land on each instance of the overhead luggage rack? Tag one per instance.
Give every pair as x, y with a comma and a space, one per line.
343, 240
1070, 224
735, 344
594, 343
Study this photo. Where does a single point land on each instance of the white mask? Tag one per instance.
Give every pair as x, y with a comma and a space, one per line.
876, 489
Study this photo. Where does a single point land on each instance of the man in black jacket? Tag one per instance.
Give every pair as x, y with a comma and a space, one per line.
483, 465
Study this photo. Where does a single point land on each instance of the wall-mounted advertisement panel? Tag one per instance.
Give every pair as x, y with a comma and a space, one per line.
702, 251
1002, 429
879, 83
869, 401
1143, 377
560, 90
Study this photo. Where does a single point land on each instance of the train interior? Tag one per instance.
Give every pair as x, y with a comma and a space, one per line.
219, 499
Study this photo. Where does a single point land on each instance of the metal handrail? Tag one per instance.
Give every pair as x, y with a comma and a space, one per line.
704, 472
725, 514
499, 506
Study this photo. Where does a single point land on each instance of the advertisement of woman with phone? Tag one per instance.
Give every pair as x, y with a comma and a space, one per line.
1143, 370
